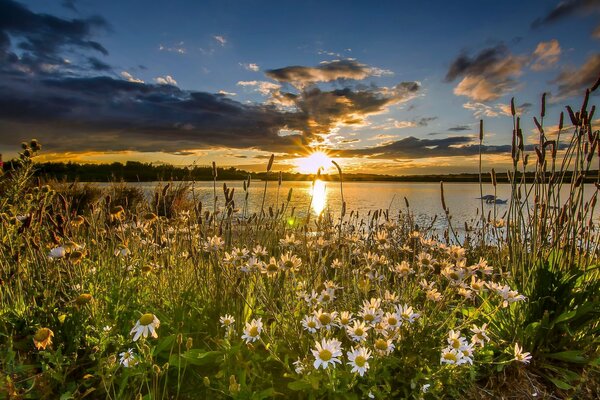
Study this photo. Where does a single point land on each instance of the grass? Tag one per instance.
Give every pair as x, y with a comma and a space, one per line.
247, 305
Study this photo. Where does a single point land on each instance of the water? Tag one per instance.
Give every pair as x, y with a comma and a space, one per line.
424, 198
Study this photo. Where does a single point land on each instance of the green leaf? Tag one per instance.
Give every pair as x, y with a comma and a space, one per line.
560, 384
565, 316
299, 385
572, 356
200, 357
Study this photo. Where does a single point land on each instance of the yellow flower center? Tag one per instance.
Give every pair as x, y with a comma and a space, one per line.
360, 361
392, 321
253, 331
288, 264
325, 355
272, 268
146, 319
42, 334
450, 356
381, 344
312, 324
455, 343
359, 332
325, 319
344, 321
369, 317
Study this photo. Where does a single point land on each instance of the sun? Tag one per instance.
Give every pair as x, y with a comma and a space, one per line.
311, 163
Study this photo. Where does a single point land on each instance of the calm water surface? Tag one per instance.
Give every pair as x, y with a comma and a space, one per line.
424, 198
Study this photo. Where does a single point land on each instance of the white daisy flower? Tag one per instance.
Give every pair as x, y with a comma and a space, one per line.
148, 323
226, 320
359, 360
310, 323
128, 358
479, 335
358, 331
327, 352
520, 356
252, 330
58, 252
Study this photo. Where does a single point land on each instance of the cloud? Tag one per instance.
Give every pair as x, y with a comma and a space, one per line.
130, 78
225, 93
566, 9
220, 39
263, 87
487, 76
166, 80
481, 110
40, 38
460, 128
327, 71
404, 124
546, 55
414, 148
178, 48
574, 81
250, 67
69, 5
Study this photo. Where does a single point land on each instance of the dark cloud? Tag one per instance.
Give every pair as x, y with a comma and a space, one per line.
69, 5
460, 128
425, 121
301, 76
98, 65
488, 75
573, 82
411, 148
565, 9
33, 42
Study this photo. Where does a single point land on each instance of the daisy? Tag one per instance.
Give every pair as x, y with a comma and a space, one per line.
392, 321
345, 318
290, 262
43, 338
310, 323
128, 358
403, 269
450, 355
480, 335
358, 331
327, 352
252, 330
259, 251
520, 356
384, 346
326, 320
57, 252
299, 366
407, 313
359, 360
226, 320
148, 323
271, 268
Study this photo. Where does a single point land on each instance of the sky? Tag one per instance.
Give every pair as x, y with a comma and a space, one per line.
393, 87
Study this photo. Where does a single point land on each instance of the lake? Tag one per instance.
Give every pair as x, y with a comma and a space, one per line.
424, 198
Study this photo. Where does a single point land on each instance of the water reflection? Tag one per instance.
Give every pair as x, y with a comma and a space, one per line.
319, 196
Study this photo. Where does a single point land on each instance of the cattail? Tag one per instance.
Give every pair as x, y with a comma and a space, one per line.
406, 202
512, 107
579, 180
270, 165
561, 121
343, 209
574, 119
280, 178
543, 113
493, 173
480, 130
585, 101
443, 199
538, 125
591, 115
214, 170
289, 197
593, 88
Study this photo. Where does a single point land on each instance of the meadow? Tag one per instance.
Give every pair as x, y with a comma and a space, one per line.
104, 294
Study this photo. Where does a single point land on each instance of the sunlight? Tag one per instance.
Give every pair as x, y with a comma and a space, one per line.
311, 163
319, 196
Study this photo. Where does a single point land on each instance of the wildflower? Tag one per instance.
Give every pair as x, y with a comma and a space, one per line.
434, 295
392, 321
299, 366
128, 358
290, 262
327, 295
390, 297
252, 330
425, 387
384, 346
325, 319
466, 354
480, 335
226, 320
122, 251
43, 338
57, 252
466, 293
450, 355
345, 318
148, 323
289, 241
271, 268
371, 311
310, 323
358, 331
327, 352
407, 313
403, 269
455, 340
214, 243
259, 251
520, 356
425, 260
335, 264
359, 360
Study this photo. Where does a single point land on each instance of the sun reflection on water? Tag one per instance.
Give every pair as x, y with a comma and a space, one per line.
319, 196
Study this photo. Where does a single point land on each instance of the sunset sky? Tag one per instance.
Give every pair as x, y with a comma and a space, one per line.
393, 87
